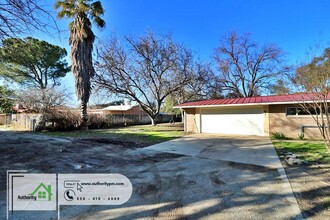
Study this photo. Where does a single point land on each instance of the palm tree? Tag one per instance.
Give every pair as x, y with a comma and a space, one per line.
81, 41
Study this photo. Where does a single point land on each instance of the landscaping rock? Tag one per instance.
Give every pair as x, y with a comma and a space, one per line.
294, 159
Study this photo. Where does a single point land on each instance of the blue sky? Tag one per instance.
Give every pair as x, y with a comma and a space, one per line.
293, 25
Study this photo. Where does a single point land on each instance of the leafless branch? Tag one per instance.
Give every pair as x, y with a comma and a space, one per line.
147, 69
20, 17
245, 68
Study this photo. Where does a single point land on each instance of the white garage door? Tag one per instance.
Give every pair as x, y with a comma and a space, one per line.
246, 121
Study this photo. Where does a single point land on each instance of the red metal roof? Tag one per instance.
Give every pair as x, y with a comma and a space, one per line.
252, 100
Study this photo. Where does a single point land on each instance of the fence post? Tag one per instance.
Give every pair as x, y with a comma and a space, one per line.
33, 121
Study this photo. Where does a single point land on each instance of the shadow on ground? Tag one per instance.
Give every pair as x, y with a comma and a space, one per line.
165, 185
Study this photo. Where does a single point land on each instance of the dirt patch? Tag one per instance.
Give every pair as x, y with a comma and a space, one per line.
311, 187
128, 144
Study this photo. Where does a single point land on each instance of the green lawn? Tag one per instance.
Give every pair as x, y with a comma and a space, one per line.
5, 127
312, 152
138, 133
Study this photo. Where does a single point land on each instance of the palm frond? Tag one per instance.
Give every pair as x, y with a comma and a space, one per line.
99, 22
97, 9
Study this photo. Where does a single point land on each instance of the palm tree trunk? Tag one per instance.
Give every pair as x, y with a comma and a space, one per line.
84, 116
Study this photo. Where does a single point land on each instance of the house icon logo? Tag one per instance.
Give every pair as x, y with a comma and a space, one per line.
42, 192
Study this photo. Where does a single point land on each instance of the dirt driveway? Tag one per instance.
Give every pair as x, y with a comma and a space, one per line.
166, 185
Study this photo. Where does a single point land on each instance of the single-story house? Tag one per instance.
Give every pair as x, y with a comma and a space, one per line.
126, 109
262, 116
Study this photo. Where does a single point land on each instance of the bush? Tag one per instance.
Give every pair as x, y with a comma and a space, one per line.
98, 122
65, 120
279, 136
301, 136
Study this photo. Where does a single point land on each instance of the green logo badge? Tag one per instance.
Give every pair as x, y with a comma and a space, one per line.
42, 192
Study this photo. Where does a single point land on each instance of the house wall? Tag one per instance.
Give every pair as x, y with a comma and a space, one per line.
190, 120
198, 120
291, 125
266, 120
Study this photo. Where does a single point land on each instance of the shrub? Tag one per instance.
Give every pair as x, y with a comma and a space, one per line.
98, 122
279, 136
64, 120
301, 136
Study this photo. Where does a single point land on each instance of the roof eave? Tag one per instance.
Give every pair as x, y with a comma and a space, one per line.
244, 104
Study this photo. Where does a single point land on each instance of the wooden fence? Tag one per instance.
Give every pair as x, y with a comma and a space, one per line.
5, 119
136, 119
32, 122
27, 122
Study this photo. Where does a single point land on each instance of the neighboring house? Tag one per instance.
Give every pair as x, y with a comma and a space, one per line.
18, 108
123, 110
262, 115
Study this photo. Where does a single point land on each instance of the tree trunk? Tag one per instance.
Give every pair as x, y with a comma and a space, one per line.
84, 116
44, 107
43, 100
153, 123
182, 115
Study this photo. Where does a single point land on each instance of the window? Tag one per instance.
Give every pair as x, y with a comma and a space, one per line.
296, 111
41, 195
301, 111
291, 111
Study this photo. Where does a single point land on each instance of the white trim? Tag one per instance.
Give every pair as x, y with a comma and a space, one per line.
245, 104
118, 107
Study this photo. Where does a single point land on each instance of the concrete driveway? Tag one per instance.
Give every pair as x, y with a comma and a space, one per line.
254, 150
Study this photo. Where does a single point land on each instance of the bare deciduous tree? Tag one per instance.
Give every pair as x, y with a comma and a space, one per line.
313, 80
204, 85
146, 70
245, 68
50, 99
19, 17
281, 87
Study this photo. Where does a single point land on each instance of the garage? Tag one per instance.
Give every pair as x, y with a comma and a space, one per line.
242, 120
